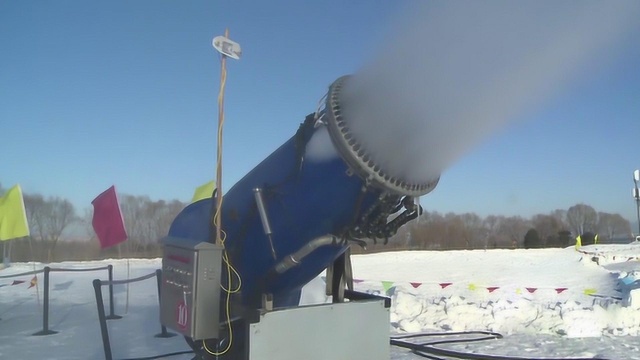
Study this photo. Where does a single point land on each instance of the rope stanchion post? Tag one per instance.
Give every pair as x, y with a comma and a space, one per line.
45, 316
101, 312
97, 287
163, 329
112, 315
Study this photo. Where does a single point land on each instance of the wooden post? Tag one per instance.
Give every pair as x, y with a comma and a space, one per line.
218, 214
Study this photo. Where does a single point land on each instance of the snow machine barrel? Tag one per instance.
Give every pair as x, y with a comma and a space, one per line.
291, 216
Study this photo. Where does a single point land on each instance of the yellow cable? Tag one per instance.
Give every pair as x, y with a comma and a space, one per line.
228, 313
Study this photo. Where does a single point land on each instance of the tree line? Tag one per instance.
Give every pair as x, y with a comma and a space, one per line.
558, 228
58, 232
51, 219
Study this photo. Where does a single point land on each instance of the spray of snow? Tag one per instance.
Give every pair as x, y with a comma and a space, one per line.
320, 148
453, 73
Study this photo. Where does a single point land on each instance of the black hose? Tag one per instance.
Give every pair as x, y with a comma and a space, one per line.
429, 350
162, 355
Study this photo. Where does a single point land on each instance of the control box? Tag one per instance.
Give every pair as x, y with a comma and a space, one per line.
190, 291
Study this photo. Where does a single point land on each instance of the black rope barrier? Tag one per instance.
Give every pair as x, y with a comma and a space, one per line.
22, 274
79, 270
126, 281
104, 330
45, 313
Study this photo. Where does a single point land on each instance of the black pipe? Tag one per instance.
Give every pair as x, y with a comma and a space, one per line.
103, 319
45, 316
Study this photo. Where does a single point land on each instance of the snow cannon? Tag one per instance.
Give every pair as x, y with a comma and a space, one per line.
291, 217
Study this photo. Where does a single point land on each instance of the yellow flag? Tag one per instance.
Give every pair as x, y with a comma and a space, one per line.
204, 191
13, 218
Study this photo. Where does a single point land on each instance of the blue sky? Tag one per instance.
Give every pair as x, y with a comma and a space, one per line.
124, 92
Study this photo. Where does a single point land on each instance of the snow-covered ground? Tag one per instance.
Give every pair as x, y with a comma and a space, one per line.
546, 303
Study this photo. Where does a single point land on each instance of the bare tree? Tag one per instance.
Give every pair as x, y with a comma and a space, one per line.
455, 233
133, 213
514, 228
491, 225
35, 208
87, 224
60, 214
473, 232
547, 227
561, 217
612, 225
582, 218
147, 221
430, 232
48, 219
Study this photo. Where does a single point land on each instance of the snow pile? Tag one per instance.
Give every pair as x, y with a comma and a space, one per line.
547, 291
549, 302
623, 260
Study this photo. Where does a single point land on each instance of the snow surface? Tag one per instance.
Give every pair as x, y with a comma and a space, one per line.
546, 303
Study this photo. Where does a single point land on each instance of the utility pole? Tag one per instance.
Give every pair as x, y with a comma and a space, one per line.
636, 195
226, 48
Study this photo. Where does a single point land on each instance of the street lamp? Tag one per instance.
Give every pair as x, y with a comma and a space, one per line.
636, 195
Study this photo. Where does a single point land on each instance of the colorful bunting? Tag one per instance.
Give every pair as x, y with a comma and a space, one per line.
33, 282
386, 285
108, 222
590, 291
391, 291
14, 282
389, 287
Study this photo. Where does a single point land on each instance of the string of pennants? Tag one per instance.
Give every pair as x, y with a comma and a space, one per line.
613, 257
33, 282
389, 287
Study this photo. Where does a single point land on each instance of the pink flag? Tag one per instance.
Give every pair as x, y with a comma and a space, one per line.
493, 288
107, 219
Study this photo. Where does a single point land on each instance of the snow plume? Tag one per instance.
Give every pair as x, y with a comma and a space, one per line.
453, 73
